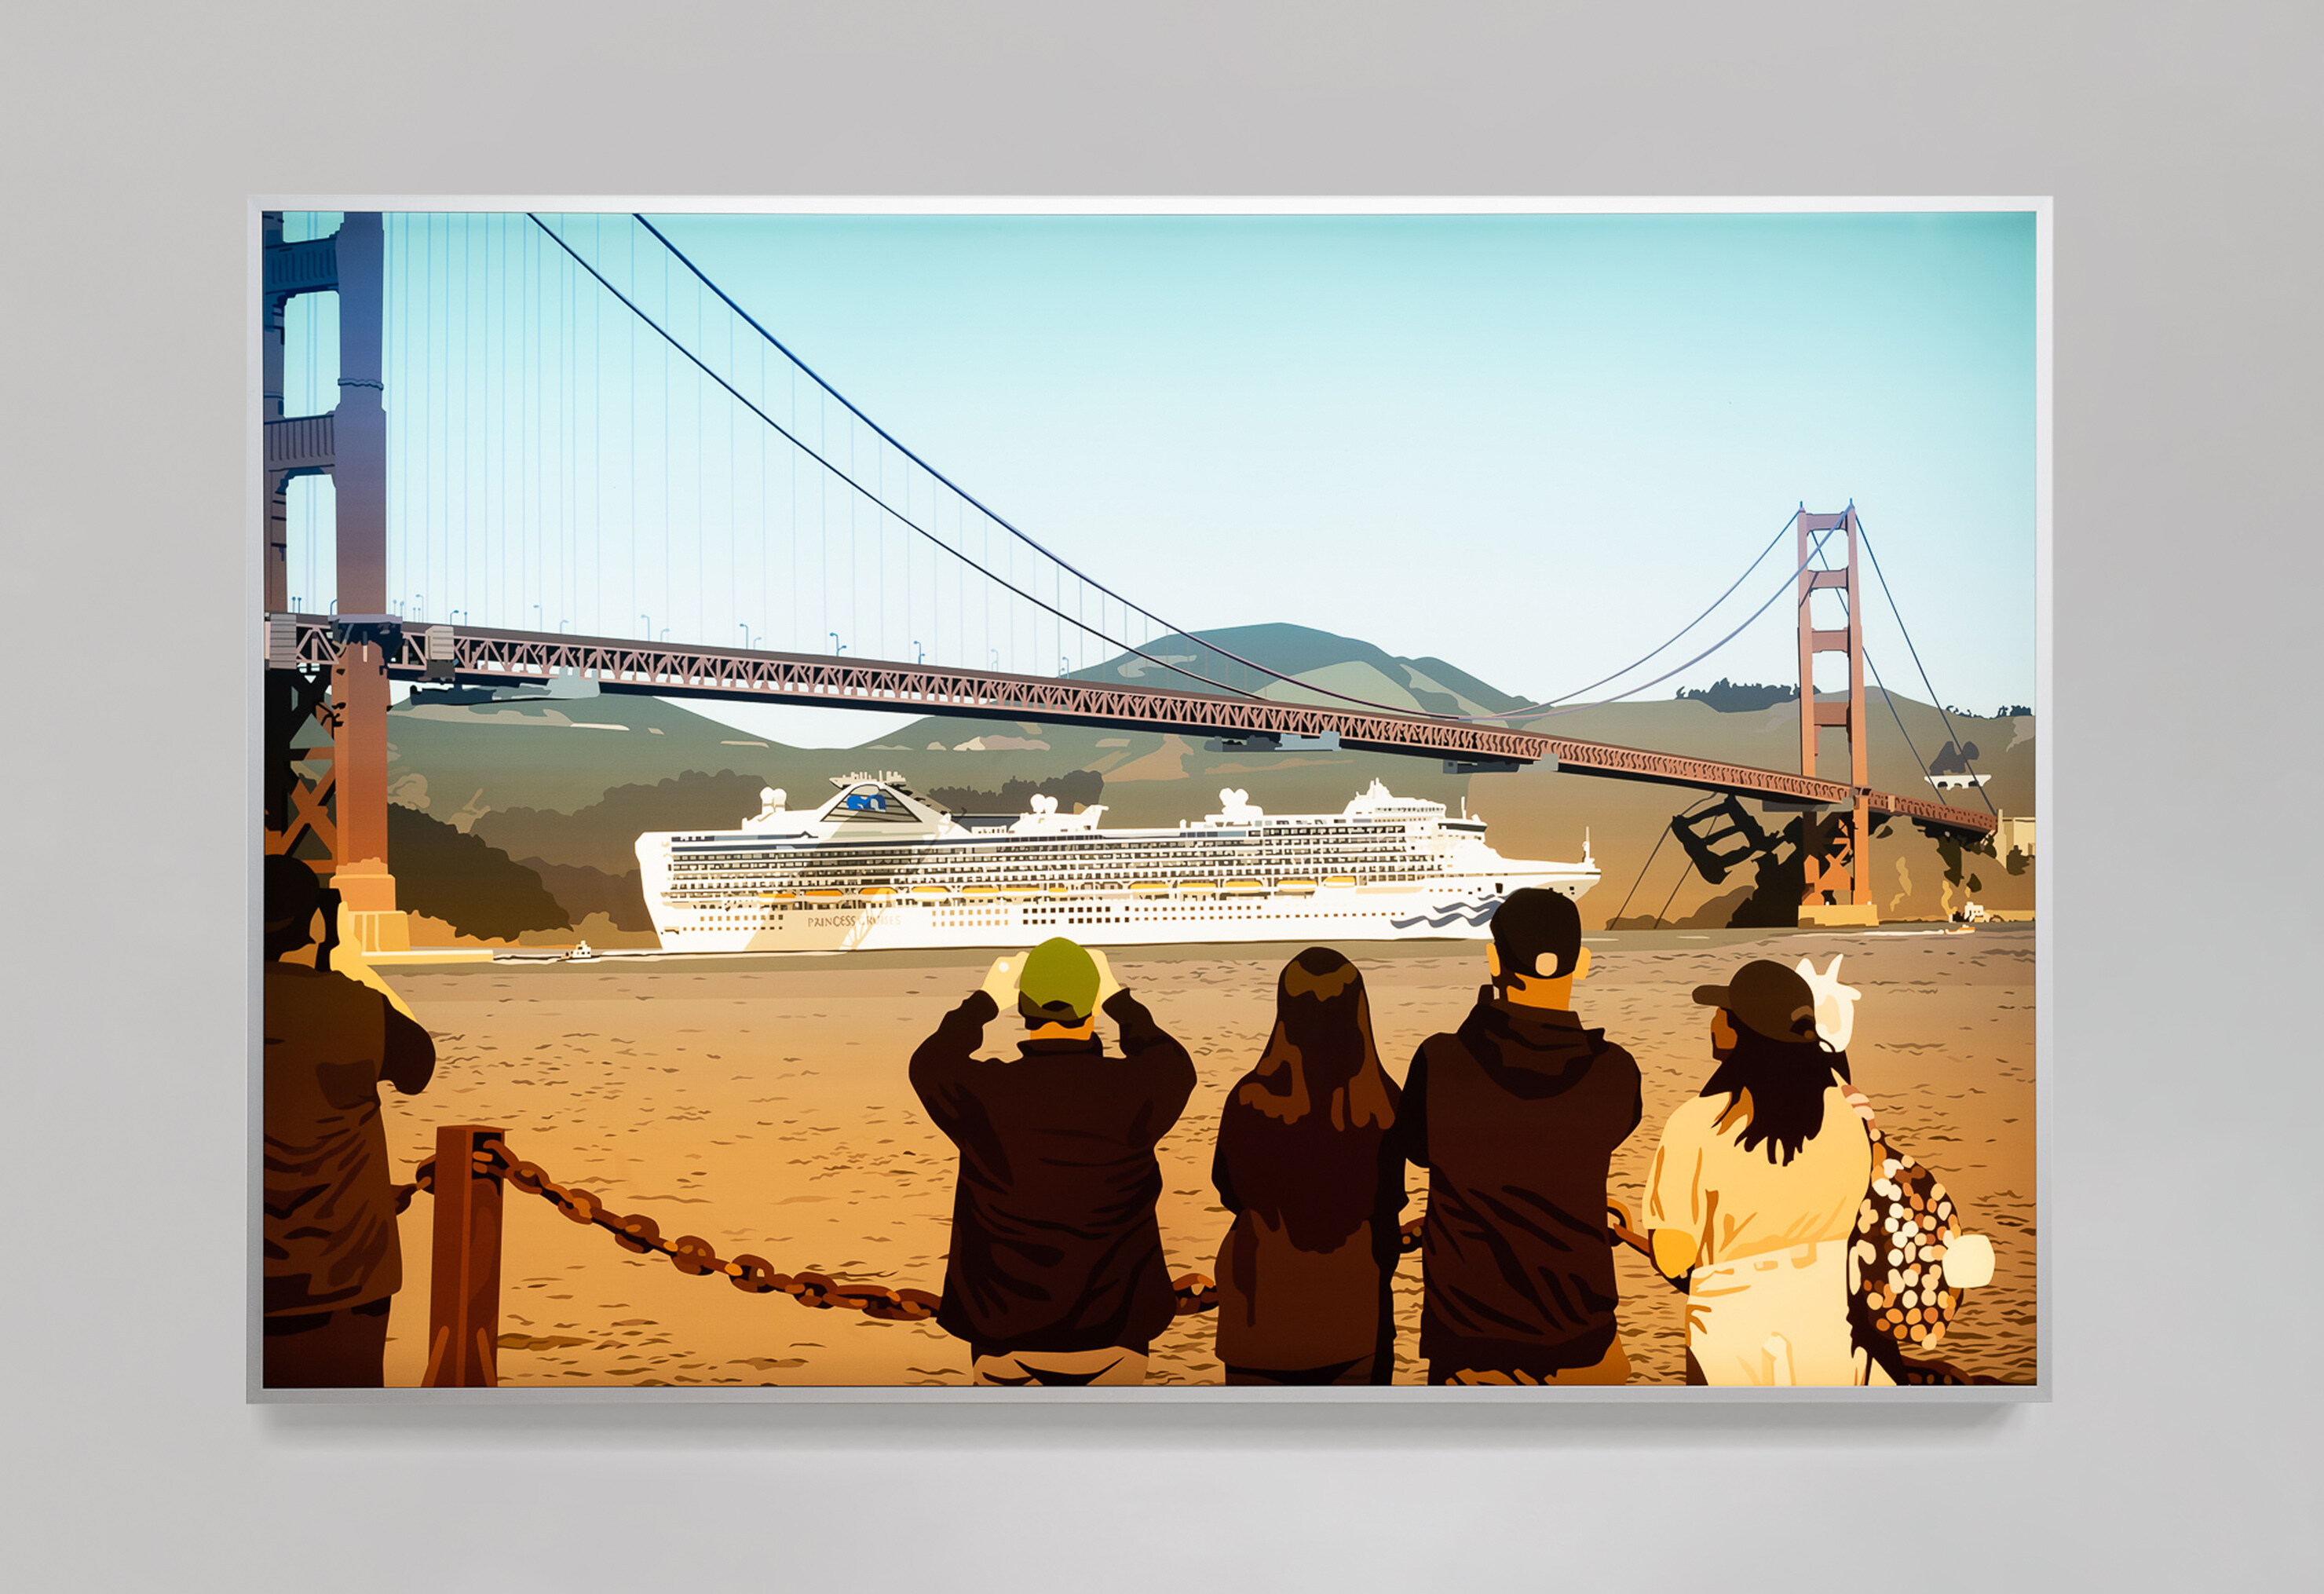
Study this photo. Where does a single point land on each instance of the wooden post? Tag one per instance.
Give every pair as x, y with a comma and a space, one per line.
464, 1305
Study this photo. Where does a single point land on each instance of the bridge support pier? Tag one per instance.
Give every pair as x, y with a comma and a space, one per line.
353, 261
1841, 874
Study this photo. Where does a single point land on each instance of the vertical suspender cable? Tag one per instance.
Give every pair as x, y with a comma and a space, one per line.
1959, 746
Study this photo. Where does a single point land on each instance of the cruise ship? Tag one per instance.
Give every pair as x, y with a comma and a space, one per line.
880, 866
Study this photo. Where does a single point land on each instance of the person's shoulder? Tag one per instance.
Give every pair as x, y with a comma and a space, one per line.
1614, 1056
1695, 1117
323, 986
1839, 1100
1445, 1044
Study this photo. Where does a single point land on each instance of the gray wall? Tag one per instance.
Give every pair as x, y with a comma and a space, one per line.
2181, 145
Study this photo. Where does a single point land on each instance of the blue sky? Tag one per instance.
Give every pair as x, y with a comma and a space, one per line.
1534, 446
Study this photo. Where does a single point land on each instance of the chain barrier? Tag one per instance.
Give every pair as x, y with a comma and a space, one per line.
691, 1253
423, 1178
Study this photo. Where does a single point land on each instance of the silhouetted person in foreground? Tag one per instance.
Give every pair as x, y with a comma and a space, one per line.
1517, 1115
332, 1261
1055, 1274
1756, 1188
1309, 1162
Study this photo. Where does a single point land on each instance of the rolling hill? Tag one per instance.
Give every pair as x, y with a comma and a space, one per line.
565, 783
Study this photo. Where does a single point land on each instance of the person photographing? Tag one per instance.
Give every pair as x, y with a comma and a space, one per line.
330, 1258
1055, 1274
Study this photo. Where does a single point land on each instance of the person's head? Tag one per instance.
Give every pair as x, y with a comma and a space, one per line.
1321, 1053
1536, 953
1321, 1009
1766, 999
1771, 1060
1057, 991
293, 897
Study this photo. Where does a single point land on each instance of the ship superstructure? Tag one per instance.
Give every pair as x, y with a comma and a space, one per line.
880, 866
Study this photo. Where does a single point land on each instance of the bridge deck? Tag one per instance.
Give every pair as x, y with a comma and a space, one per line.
483, 656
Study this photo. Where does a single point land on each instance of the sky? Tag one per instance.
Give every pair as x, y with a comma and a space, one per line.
1533, 446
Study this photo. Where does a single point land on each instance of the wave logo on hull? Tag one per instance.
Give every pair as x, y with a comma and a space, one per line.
1455, 913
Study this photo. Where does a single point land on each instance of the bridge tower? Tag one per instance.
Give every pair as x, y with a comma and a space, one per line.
1835, 847
338, 819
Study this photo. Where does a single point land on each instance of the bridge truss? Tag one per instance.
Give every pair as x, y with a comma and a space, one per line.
482, 656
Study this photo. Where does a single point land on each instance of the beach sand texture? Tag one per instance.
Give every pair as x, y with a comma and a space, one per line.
763, 1105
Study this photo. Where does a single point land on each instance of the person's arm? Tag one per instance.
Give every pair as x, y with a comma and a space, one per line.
1637, 1095
1147, 1044
408, 1056
1221, 1180
940, 1061
1412, 1113
1674, 1215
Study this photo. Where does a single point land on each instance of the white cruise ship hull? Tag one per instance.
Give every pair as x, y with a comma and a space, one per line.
1443, 910
879, 868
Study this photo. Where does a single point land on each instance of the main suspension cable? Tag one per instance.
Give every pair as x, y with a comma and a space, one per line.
1529, 712
1960, 746
1037, 547
801, 446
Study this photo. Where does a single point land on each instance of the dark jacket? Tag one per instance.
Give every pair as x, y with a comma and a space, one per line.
328, 1230
1055, 1245
1517, 1116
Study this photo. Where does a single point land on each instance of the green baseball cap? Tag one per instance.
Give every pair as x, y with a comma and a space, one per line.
1058, 984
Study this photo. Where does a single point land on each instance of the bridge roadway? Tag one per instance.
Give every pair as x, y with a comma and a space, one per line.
481, 656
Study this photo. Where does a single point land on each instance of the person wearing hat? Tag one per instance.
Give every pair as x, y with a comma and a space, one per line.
1752, 1202
1516, 1116
1055, 1274
331, 1261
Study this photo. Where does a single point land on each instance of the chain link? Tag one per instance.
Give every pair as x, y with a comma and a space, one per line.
423, 1178
691, 1253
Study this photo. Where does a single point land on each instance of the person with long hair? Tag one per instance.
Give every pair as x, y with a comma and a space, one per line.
1752, 1203
1309, 1163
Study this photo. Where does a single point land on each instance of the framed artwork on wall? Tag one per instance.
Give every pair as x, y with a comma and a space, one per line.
1401, 800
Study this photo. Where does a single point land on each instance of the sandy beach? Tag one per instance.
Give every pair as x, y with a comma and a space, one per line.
762, 1103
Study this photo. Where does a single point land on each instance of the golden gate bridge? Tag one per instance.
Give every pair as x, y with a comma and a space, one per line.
552, 334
